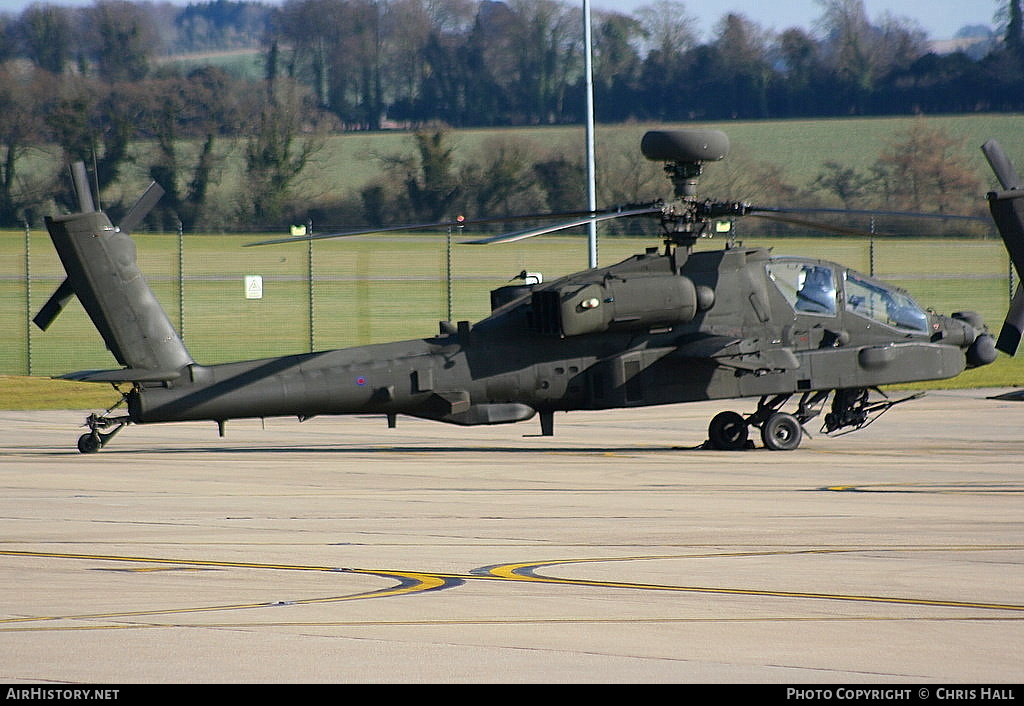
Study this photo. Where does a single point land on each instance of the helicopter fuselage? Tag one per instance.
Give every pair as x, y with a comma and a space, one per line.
661, 327
658, 328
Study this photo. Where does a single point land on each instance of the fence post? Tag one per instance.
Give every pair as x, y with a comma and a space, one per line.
28, 299
448, 271
181, 281
871, 249
309, 285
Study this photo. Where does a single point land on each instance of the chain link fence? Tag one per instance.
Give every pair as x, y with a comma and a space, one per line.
232, 302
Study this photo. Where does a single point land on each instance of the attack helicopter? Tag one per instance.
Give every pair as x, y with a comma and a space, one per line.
669, 325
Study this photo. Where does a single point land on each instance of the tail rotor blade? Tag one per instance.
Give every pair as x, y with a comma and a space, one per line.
141, 208
54, 305
1001, 165
60, 298
82, 190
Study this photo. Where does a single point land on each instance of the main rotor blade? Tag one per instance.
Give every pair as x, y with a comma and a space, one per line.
782, 215
457, 223
1013, 325
1007, 208
1001, 165
579, 218
532, 232
350, 233
867, 212
816, 225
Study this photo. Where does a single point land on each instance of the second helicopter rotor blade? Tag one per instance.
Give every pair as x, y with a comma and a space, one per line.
865, 212
816, 225
532, 232
351, 233
1013, 325
456, 223
1001, 165
783, 215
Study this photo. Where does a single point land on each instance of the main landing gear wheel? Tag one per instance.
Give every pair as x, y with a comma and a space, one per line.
781, 432
728, 431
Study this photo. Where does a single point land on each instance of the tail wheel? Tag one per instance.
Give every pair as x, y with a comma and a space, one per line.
728, 432
781, 432
94, 441
89, 443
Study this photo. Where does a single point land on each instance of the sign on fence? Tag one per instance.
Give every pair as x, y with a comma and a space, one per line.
253, 287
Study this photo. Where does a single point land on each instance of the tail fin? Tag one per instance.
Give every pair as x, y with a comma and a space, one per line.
103, 273
1007, 208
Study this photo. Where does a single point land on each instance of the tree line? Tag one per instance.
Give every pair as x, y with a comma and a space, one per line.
489, 62
101, 78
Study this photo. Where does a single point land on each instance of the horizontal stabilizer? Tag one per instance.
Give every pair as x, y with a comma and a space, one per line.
123, 375
54, 305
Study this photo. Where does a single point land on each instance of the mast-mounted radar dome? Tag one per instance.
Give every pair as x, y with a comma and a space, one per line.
685, 145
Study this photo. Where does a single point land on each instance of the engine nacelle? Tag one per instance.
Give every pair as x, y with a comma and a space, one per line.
636, 303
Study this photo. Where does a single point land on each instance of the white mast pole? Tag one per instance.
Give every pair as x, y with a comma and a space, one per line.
591, 184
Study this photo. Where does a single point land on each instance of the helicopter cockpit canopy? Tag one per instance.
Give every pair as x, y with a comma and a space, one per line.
866, 297
808, 286
812, 288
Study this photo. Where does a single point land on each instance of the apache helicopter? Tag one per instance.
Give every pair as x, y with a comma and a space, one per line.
665, 326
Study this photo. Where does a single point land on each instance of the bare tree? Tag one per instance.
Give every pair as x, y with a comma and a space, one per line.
543, 47
407, 26
276, 153
1010, 17
47, 36
743, 50
848, 184
504, 182
185, 115
337, 46
122, 38
617, 62
668, 27
926, 169
862, 53
94, 122
431, 181
22, 98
